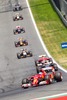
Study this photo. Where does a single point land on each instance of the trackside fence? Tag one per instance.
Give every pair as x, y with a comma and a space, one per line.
62, 12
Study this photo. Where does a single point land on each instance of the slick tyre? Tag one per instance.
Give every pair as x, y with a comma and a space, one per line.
18, 56
36, 62
50, 60
15, 44
48, 79
55, 67
25, 81
58, 77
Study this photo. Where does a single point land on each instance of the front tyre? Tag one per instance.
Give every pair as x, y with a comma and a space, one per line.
25, 81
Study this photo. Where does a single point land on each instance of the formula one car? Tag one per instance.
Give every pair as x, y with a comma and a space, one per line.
45, 77
24, 54
17, 7
18, 30
44, 61
17, 17
46, 66
21, 42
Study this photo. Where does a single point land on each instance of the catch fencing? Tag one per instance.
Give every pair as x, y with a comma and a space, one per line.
61, 8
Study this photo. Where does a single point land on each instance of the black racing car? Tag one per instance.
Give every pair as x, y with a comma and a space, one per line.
24, 54
17, 7
17, 17
52, 65
18, 30
45, 62
21, 43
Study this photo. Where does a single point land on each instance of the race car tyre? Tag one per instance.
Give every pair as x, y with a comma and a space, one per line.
23, 31
26, 43
20, 8
50, 60
21, 18
48, 79
58, 77
36, 62
30, 53
25, 81
15, 9
13, 19
14, 31
18, 56
55, 67
38, 69
24, 56
15, 44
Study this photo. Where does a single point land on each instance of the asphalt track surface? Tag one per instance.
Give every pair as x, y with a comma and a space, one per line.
12, 70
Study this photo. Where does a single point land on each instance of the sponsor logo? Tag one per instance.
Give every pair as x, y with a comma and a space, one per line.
64, 45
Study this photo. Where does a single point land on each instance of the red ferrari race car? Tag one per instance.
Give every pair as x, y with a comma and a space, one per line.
45, 61
17, 17
17, 7
21, 42
45, 77
18, 30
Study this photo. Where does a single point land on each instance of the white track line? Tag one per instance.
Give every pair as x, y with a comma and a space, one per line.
47, 97
38, 33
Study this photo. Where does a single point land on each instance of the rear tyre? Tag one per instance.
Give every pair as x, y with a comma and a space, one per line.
50, 60
58, 77
30, 53
13, 19
23, 31
18, 56
15, 44
24, 56
14, 32
26, 43
36, 62
55, 67
48, 79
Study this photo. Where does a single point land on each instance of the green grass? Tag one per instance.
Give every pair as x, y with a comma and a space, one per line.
51, 28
